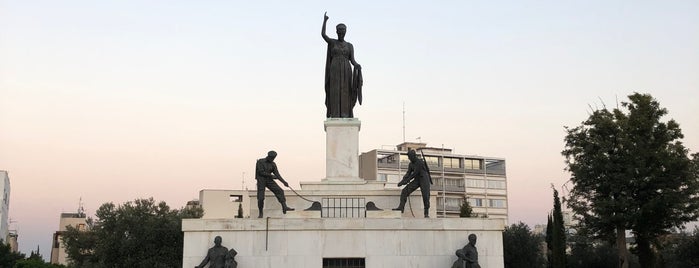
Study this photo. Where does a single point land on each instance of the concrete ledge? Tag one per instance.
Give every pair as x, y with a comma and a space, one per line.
383, 214
299, 223
302, 214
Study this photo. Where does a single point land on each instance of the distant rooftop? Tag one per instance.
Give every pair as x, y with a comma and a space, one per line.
420, 146
72, 215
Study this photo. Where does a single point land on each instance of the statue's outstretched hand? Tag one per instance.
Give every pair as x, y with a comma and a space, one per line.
325, 16
286, 184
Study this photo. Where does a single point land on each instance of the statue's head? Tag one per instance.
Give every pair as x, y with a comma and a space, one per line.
217, 241
271, 155
412, 155
472, 239
341, 30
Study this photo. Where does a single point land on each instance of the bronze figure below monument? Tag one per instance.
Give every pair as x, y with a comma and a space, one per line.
343, 87
468, 256
265, 174
216, 256
417, 176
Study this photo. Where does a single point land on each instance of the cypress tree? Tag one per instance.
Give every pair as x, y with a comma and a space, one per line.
558, 235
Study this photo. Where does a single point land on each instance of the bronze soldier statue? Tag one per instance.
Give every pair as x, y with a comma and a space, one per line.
265, 174
418, 172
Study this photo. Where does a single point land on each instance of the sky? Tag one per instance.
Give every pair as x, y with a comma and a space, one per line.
109, 101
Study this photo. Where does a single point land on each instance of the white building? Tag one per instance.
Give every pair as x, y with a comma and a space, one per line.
4, 206
482, 180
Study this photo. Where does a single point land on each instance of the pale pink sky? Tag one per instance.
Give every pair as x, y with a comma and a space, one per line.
132, 99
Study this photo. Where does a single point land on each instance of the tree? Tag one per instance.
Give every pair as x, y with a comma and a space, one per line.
8, 258
240, 211
558, 235
465, 210
630, 171
35, 263
549, 241
585, 252
139, 233
681, 250
521, 247
80, 245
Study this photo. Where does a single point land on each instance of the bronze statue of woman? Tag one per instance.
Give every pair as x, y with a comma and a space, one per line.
343, 86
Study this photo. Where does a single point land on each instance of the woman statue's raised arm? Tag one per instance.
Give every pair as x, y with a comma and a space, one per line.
322, 31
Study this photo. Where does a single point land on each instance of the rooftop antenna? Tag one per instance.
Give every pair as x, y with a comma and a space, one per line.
244, 187
403, 122
81, 209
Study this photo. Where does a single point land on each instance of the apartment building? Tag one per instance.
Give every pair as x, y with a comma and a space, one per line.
480, 180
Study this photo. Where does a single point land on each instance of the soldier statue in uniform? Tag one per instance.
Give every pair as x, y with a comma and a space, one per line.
419, 173
265, 174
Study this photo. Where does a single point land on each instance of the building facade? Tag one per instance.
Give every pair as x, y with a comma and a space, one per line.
4, 206
480, 180
58, 251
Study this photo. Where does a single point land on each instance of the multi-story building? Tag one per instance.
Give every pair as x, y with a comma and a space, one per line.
480, 180
12, 240
4, 206
58, 251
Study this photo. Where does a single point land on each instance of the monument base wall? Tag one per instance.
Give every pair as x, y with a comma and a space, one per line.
304, 242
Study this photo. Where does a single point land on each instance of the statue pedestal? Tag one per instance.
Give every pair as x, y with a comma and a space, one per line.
342, 149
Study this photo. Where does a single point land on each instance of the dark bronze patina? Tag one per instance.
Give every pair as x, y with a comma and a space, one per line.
343, 86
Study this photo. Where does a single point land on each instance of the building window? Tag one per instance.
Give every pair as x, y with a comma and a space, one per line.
496, 184
450, 162
475, 183
453, 203
432, 161
496, 203
344, 263
472, 164
404, 159
451, 182
475, 202
386, 158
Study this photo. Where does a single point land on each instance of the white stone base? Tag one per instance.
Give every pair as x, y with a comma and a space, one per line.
342, 149
383, 214
285, 242
303, 214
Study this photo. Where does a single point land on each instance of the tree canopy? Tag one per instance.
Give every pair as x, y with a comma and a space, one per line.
465, 210
139, 233
521, 247
630, 171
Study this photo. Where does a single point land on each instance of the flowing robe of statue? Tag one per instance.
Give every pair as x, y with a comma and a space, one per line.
343, 84
343, 87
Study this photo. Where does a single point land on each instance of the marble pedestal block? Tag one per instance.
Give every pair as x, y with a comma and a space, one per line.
306, 242
342, 149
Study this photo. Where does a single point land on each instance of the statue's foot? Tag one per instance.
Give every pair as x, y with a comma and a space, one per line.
398, 209
259, 216
285, 209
